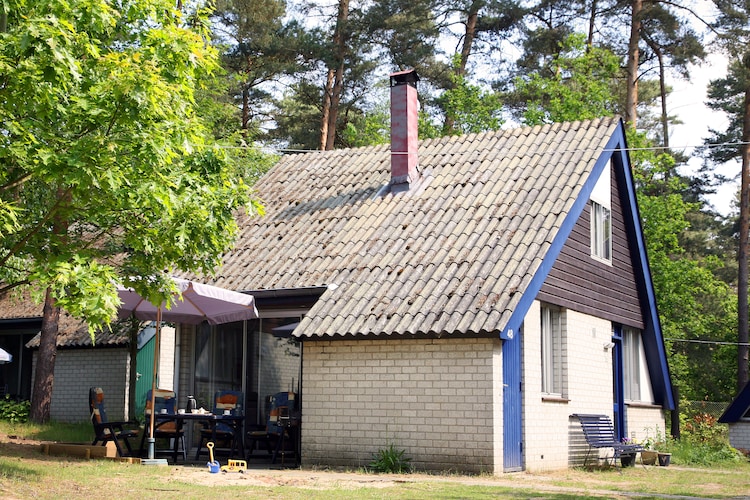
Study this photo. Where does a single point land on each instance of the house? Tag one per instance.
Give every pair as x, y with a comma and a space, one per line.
737, 416
459, 298
80, 363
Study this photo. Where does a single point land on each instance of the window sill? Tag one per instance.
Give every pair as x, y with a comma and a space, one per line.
555, 399
641, 404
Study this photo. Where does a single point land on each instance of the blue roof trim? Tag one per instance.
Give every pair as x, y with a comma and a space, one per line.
656, 356
738, 407
519, 313
616, 149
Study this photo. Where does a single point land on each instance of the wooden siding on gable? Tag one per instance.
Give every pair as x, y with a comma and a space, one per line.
582, 283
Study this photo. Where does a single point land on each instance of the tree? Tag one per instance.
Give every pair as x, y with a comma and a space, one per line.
105, 159
579, 85
734, 26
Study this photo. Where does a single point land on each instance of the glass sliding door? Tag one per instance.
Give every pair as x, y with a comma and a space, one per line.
218, 361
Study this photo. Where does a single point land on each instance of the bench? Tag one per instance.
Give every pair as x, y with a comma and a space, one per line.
600, 433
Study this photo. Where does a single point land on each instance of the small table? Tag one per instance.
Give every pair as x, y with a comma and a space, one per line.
233, 421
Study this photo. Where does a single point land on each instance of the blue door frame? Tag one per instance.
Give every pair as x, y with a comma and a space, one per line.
512, 415
618, 389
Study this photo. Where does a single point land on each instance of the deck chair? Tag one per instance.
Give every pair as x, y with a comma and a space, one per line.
165, 400
232, 401
104, 430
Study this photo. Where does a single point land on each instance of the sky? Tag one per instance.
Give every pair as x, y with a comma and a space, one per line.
687, 101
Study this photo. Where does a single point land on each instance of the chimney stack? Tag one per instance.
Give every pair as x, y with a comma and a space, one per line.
404, 118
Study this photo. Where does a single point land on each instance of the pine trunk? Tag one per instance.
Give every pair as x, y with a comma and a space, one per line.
41, 393
631, 104
742, 254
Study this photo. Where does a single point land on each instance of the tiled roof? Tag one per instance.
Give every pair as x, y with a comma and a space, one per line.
72, 332
451, 257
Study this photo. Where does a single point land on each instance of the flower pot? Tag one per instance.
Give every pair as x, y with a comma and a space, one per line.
649, 457
627, 460
664, 459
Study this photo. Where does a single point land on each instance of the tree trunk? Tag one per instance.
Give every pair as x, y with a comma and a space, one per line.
327, 91
41, 393
631, 104
245, 110
592, 25
460, 71
340, 40
742, 254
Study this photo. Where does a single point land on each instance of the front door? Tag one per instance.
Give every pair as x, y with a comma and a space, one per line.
618, 388
512, 421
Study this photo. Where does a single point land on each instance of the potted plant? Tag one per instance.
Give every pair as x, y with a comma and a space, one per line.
649, 455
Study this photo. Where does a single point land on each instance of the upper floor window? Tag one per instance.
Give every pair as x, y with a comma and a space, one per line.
601, 216
601, 231
552, 350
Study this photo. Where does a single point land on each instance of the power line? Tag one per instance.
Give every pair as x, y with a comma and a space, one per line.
715, 342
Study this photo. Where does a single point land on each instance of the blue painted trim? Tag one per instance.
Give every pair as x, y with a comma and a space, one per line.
738, 407
616, 149
519, 313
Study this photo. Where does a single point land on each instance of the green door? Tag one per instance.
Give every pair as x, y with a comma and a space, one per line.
145, 369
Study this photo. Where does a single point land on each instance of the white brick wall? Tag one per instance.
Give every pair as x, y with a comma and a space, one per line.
76, 370
553, 440
739, 435
431, 398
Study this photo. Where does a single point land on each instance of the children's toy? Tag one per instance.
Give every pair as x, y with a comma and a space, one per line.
213, 465
235, 466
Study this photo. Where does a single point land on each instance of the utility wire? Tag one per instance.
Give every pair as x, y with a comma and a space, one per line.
715, 342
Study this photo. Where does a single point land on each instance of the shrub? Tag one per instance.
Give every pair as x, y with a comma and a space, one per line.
391, 460
15, 412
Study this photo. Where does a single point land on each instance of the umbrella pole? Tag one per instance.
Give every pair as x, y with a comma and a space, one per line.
151, 439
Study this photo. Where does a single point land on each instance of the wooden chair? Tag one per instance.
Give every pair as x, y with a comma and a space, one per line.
104, 430
233, 402
600, 433
282, 425
165, 400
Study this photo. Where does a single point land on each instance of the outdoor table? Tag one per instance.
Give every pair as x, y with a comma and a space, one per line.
233, 421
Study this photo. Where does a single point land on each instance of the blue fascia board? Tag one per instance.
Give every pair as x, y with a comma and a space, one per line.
738, 407
531, 292
655, 352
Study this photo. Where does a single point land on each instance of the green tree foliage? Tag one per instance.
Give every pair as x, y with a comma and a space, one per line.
696, 308
105, 160
579, 85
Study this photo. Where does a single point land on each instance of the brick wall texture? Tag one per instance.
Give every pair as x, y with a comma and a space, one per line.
431, 398
441, 400
739, 435
76, 370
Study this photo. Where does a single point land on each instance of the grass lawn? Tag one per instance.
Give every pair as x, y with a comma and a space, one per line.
27, 473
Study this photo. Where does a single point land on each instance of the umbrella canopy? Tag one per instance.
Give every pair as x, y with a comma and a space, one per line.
5, 356
196, 302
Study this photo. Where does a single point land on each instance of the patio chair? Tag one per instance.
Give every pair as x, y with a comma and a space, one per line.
165, 401
282, 425
224, 401
104, 430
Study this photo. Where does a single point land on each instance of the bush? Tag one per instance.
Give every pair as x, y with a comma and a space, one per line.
15, 412
391, 460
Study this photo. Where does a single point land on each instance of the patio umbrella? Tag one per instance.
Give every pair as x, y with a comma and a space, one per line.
5, 356
196, 303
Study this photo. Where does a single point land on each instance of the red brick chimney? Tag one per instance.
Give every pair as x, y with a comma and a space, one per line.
404, 114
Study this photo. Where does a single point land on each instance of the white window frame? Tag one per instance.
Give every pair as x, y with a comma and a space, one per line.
601, 232
631, 363
551, 326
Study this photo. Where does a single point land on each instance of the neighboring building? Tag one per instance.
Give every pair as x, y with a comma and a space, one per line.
459, 298
737, 416
80, 363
